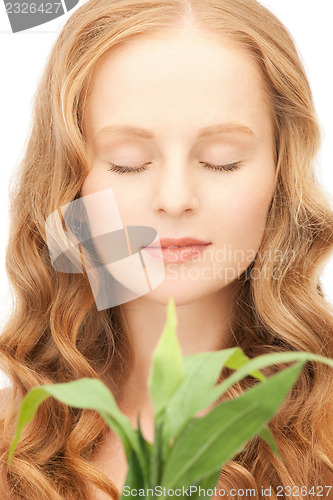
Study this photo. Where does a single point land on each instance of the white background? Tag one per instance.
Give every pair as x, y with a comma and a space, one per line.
24, 54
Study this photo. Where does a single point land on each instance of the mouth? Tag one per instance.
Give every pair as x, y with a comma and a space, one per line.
176, 254
179, 243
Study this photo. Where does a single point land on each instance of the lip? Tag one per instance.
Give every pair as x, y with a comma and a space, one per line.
174, 253
187, 241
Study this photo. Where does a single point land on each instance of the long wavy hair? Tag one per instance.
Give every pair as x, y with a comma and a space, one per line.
55, 332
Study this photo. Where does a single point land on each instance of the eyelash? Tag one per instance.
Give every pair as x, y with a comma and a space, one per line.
122, 169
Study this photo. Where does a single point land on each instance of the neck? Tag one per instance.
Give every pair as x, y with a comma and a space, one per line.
203, 324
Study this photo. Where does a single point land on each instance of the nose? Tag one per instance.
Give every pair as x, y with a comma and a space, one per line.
176, 190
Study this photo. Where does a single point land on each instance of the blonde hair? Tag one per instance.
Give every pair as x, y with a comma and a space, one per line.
55, 334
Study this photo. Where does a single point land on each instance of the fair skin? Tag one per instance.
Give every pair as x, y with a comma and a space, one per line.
174, 85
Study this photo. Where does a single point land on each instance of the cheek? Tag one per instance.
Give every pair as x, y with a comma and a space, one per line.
95, 181
101, 207
253, 208
125, 194
243, 217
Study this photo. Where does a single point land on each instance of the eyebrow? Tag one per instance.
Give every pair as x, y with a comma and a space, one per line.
144, 133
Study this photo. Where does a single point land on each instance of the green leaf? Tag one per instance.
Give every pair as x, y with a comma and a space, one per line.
167, 363
267, 436
82, 393
156, 461
27, 412
144, 444
239, 359
267, 360
212, 440
209, 483
134, 478
196, 392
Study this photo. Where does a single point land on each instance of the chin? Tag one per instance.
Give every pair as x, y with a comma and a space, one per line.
182, 292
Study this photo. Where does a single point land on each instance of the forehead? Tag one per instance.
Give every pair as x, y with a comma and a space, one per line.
176, 82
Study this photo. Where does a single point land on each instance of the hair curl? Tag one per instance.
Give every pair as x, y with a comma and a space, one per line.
49, 340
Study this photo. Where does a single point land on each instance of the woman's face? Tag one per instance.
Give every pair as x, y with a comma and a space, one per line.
171, 104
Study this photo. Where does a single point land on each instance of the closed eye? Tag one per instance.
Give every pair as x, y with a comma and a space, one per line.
122, 169
228, 168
